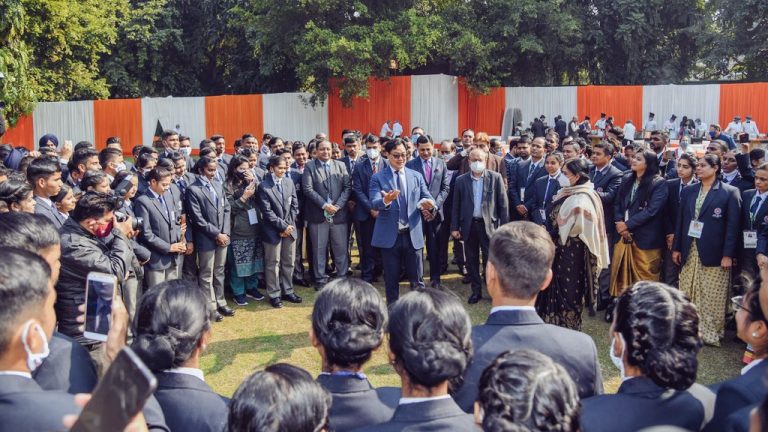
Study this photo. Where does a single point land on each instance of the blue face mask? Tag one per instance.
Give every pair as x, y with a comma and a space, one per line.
712, 134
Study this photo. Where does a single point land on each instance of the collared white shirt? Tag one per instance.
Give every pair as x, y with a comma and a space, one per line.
47, 201
197, 373
650, 126
734, 127
629, 131
477, 195
762, 197
751, 129
751, 364
730, 176
277, 180
17, 373
413, 400
403, 180
512, 308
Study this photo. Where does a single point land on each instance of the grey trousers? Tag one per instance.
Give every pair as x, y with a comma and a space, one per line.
322, 234
298, 261
156, 277
131, 295
212, 265
278, 267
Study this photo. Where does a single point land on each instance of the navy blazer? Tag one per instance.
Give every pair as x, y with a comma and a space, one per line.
720, 213
68, 368
189, 404
760, 223
645, 223
541, 198
745, 179
385, 230
673, 204
440, 183
207, 218
277, 212
361, 180
24, 406
355, 403
524, 329
160, 228
737, 393
607, 186
434, 415
519, 179
640, 403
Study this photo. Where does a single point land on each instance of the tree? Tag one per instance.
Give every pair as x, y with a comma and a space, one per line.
16, 89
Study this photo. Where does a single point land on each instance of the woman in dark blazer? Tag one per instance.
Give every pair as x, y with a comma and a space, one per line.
706, 241
539, 201
754, 220
430, 346
637, 209
686, 166
654, 343
172, 329
348, 322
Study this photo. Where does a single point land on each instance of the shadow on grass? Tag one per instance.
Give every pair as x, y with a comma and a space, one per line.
281, 346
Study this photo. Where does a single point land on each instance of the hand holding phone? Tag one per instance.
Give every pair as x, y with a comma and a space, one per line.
100, 291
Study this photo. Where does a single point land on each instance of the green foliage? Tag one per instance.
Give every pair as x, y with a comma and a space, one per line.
16, 89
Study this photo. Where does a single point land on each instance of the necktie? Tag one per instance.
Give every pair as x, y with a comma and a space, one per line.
280, 189
546, 191
755, 206
403, 211
428, 171
598, 176
212, 191
165, 207
182, 186
327, 170
375, 167
531, 167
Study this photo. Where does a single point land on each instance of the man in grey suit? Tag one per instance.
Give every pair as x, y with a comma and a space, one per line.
437, 178
182, 179
209, 217
44, 174
480, 206
326, 185
161, 231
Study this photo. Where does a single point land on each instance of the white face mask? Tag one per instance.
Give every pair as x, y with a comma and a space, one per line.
186, 151
446, 157
34, 360
477, 167
372, 153
120, 167
145, 171
618, 360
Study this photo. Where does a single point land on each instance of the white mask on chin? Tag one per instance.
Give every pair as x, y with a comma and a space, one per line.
618, 361
34, 360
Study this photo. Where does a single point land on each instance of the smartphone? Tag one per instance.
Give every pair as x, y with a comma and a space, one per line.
119, 396
100, 289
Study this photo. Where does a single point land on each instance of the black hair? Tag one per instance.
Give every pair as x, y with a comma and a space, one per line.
170, 321
275, 160
754, 311
159, 173
28, 231
175, 157
525, 390
201, 163
649, 177
42, 168
660, 327
348, 320
65, 189
756, 154
521, 253
713, 160
137, 149
13, 192
607, 147
246, 136
79, 157
274, 140
423, 139
119, 177
165, 163
216, 137
281, 398
391, 144
92, 179
247, 152
148, 150
144, 160
234, 179
113, 140
578, 167
84, 145
109, 154
350, 140
691, 159
297, 146
429, 334
94, 205
167, 134
208, 152
371, 138
20, 291
205, 143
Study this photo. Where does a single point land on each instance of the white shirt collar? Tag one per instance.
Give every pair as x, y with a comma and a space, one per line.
761, 195
154, 194
394, 171
555, 177
413, 400
277, 179
751, 364
512, 308
197, 373
47, 201
17, 373
732, 175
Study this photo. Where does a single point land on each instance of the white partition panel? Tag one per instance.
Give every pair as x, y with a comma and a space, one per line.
535, 101
435, 105
67, 120
287, 116
695, 101
184, 114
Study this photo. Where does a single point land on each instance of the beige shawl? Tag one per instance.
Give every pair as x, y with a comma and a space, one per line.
581, 215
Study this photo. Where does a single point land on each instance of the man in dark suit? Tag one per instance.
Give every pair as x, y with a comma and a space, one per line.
326, 185
351, 161
364, 213
209, 217
182, 179
479, 208
300, 157
520, 265
161, 230
219, 143
44, 174
561, 127
402, 198
667, 161
606, 179
172, 144
437, 179
522, 175
279, 208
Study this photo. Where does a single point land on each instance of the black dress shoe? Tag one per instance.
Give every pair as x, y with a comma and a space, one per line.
226, 311
300, 282
319, 286
218, 317
293, 298
609, 313
466, 279
437, 285
276, 303
474, 298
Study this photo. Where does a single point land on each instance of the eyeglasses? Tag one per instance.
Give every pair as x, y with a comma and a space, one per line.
397, 155
738, 303
468, 136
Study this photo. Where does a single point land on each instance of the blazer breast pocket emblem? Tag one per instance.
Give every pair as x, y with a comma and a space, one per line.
718, 213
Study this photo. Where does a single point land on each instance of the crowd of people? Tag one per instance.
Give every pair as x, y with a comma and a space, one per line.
547, 226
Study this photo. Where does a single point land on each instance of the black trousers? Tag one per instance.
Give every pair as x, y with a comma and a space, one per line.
370, 257
476, 243
432, 235
393, 258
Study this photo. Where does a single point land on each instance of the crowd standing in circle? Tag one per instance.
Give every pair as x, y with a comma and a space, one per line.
658, 237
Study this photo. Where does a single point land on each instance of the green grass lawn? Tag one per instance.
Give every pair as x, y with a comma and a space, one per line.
259, 336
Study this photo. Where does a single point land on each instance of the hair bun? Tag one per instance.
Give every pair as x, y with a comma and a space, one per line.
156, 351
434, 361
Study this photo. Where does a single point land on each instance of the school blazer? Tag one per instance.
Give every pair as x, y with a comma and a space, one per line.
760, 223
159, 230
607, 187
434, 415
355, 403
361, 181
25, 407
535, 200
277, 212
519, 180
737, 393
640, 403
720, 214
48, 212
189, 404
645, 221
673, 205
68, 368
207, 218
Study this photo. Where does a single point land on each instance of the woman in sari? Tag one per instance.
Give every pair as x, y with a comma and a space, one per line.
577, 227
